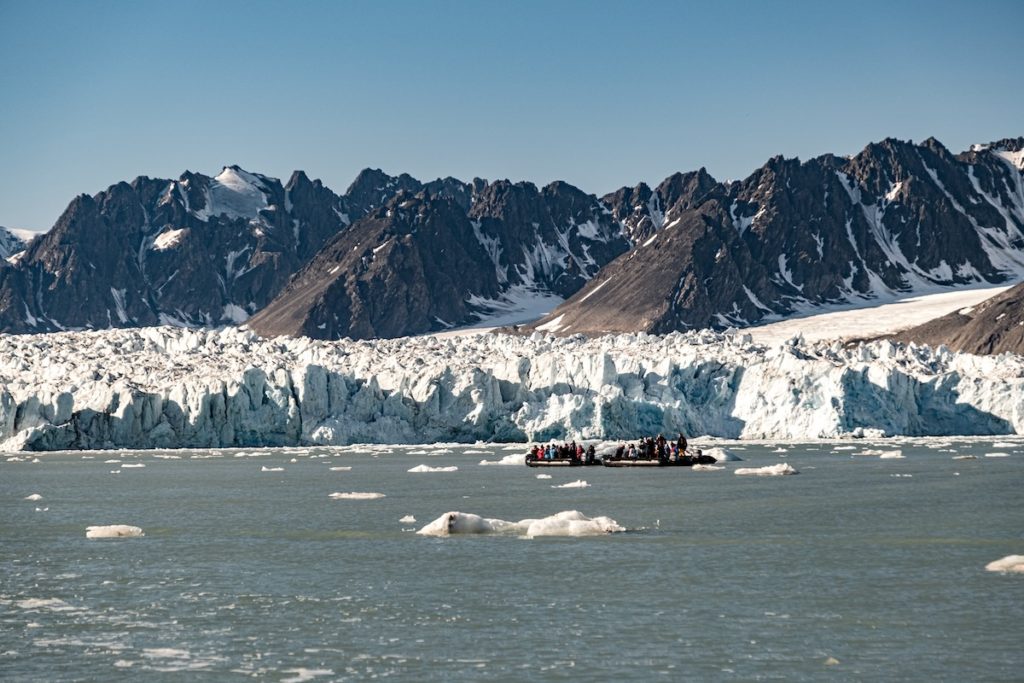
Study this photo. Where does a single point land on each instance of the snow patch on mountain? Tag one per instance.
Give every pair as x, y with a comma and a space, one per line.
234, 193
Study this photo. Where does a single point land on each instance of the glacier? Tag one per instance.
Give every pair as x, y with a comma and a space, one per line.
167, 387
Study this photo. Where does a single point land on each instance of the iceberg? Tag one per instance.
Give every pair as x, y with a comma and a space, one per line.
166, 387
768, 471
113, 531
567, 523
428, 468
356, 495
1010, 564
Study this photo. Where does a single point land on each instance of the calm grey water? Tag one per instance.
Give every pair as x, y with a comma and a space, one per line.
857, 568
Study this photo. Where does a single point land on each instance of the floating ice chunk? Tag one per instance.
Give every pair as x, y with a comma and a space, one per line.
510, 459
341, 468
781, 450
34, 496
769, 470
543, 476
408, 519
113, 531
891, 455
356, 495
428, 468
706, 468
997, 455
567, 523
1005, 444
845, 448
965, 457
112, 461
722, 455
271, 469
52, 604
578, 484
1013, 564
131, 465
303, 674
165, 653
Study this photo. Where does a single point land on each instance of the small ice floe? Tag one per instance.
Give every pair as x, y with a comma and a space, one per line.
164, 456
891, 455
510, 459
132, 465
722, 455
768, 471
1005, 444
543, 476
33, 496
112, 461
578, 484
271, 469
294, 460
880, 453
567, 523
473, 451
1011, 564
50, 604
997, 455
706, 468
781, 450
845, 448
341, 468
356, 495
408, 519
428, 468
113, 531
965, 457
115, 471
902, 476
303, 674
46, 509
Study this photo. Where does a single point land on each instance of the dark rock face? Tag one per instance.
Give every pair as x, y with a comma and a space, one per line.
896, 218
395, 256
192, 251
407, 267
430, 260
995, 325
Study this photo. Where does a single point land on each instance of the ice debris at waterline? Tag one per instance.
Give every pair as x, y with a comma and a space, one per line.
779, 470
356, 495
408, 519
567, 523
113, 531
33, 496
1013, 564
163, 387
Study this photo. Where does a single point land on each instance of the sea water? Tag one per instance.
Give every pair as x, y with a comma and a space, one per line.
865, 565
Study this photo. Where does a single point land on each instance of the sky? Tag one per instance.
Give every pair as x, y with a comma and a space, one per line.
600, 94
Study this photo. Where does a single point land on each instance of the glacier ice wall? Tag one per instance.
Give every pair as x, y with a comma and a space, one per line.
171, 387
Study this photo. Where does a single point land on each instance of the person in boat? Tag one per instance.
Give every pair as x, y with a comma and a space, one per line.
632, 454
620, 452
681, 444
590, 454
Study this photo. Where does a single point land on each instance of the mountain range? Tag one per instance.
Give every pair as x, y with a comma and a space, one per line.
394, 256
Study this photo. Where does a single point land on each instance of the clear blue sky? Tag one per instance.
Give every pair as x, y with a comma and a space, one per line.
596, 93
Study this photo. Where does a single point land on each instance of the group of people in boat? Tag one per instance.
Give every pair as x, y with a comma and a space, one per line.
652, 448
567, 451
